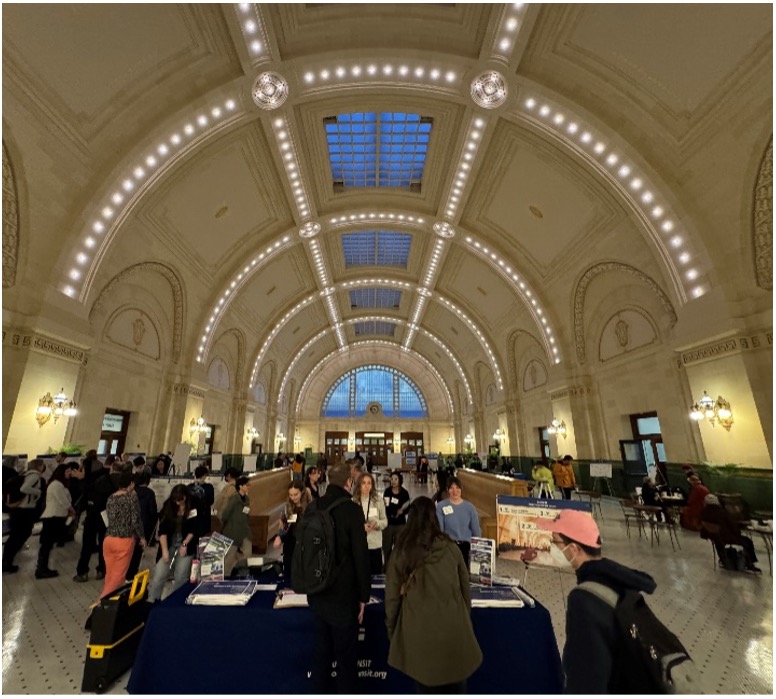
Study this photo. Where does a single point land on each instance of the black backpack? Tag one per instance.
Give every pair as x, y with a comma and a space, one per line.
650, 658
313, 566
13, 490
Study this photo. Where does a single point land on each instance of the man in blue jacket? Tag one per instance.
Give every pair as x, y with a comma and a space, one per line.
590, 654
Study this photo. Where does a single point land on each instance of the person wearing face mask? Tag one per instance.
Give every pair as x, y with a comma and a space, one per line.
592, 634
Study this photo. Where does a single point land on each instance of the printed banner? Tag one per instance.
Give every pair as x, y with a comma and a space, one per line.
519, 539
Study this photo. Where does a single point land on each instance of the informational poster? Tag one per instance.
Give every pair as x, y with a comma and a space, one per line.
217, 461
519, 539
409, 457
482, 560
180, 457
212, 556
600, 470
249, 463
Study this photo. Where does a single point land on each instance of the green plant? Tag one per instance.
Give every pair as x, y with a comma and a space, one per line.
722, 475
68, 448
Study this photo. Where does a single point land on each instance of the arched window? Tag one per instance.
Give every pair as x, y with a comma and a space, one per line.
352, 392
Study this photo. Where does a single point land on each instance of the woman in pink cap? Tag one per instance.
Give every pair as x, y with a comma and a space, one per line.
592, 634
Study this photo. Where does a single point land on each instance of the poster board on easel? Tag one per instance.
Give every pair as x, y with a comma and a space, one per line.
601, 472
394, 462
249, 463
180, 457
518, 538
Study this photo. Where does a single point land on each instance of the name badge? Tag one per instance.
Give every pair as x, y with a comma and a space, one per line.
192, 513
387, 500
447, 510
246, 510
394, 501
292, 519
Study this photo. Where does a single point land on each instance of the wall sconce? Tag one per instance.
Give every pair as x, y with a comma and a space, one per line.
557, 427
57, 406
297, 441
280, 438
499, 435
713, 411
197, 426
450, 442
468, 440
253, 433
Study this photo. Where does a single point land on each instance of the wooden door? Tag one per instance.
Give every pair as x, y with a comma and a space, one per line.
411, 448
336, 446
376, 444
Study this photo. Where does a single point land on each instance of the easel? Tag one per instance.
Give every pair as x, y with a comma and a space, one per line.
542, 489
607, 482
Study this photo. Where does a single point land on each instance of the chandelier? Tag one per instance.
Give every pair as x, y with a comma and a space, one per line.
714, 411
57, 406
197, 426
499, 435
557, 427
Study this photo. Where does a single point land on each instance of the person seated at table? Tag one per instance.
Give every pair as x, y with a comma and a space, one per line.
427, 607
650, 495
178, 529
297, 501
458, 518
237, 526
691, 514
563, 472
727, 532
541, 474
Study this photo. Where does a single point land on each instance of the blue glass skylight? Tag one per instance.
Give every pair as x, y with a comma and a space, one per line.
375, 298
385, 248
374, 327
349, 395
370, 149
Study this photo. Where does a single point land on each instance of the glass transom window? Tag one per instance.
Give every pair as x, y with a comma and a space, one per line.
381, 248
350, 395
375, 298
377, 149
375, 327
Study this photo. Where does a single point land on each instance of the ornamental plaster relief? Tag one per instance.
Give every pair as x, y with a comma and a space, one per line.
762, 221
581, 292
624, 332
218, 374
10, 223
133, 329
44, 345
734, 344
534, 376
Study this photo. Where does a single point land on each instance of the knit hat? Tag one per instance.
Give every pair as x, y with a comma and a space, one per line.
575, 525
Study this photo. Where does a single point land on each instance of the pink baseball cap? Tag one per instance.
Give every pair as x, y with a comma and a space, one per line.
573, 524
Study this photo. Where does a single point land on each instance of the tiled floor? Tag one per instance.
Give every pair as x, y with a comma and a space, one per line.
725, 619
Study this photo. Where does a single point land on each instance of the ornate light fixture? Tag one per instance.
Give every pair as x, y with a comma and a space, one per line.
269, 91
499, 435
197, 426
468, 440
297, 441
253, 433
57, 406
281, 438
557, 427
714, 411
489, 90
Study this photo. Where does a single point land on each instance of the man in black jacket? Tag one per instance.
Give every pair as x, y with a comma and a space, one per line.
339, 609
592, 636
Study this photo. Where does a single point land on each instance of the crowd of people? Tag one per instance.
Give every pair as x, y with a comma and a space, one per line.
421, 545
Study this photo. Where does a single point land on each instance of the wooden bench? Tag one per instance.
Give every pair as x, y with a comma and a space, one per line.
481, 488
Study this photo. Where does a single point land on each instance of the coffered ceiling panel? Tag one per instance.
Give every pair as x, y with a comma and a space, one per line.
224, 196
302, 29
90, 61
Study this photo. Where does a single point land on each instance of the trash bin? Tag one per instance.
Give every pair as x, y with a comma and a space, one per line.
118, 620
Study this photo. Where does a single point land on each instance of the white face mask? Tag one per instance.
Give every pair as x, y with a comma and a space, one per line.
557, 555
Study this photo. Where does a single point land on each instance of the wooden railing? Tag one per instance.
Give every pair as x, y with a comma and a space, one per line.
481, 488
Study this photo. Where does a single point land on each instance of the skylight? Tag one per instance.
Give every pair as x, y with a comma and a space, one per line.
375, 327
384, 248
370, 149
375, 298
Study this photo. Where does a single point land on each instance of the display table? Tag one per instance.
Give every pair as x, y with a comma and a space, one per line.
260, 650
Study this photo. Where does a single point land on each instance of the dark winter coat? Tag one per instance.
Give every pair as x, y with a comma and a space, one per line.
430, 627
589, 656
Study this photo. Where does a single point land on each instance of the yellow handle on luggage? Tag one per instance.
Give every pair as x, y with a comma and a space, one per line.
139, 585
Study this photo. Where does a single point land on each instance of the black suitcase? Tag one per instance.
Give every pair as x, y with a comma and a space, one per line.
117, 624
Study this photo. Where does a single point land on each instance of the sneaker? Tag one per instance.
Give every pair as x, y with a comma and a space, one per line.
99, 575
81, 578
10, 569
41, 574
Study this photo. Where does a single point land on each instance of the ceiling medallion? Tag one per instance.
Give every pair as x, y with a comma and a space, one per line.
269, 91
489, 90
310, 229
444, 229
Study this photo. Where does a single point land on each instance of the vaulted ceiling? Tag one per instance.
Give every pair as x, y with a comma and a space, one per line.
563, 136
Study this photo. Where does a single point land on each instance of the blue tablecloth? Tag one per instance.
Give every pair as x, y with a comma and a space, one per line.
260, 650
